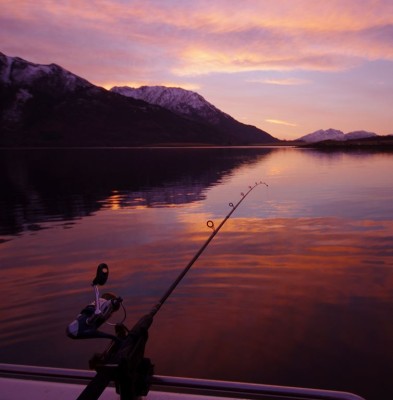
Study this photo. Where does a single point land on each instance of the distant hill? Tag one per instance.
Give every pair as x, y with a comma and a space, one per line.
46, 105
193, 106
332, 139
379, 143
336, 135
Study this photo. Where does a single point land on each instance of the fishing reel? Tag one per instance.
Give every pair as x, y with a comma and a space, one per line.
86, 324
123, 361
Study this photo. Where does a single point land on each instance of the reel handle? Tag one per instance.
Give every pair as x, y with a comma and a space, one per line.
101, 275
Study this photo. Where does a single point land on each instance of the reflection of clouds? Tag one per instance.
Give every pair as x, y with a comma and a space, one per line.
265, 289
247, 246
283, 207
275, 171
194, 219
280, 287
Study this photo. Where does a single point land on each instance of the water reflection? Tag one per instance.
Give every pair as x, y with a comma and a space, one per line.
295, 290
62, 185
294, 301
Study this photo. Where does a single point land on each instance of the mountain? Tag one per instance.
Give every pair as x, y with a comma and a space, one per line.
359, 135
46, 105
336, 135
320, 135
180, 101
193, 106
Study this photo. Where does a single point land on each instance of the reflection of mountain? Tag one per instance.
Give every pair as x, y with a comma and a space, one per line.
41, 186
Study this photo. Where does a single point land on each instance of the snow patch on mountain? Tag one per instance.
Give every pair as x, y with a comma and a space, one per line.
26, 81
5, 68
321, 134
16, 71
334, 134
180, 101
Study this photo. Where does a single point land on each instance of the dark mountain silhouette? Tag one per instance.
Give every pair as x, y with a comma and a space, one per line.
193, 106
45, 105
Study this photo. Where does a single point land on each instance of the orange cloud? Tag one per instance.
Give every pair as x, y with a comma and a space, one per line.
210, 37
282, 82
279, 122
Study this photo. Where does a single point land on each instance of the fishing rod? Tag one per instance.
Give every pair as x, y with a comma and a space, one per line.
123, 362
210, 225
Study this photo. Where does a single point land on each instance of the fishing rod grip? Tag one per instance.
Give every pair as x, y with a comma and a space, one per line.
96, 387
123, 363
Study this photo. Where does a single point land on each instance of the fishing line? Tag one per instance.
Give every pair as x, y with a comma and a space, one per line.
210, 225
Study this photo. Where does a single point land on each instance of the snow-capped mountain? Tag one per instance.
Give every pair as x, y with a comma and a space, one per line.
16, 71
193, 106
180, 101
336, 135
46, 105
25, 78
321, 134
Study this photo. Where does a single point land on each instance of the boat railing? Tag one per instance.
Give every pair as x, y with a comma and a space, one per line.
187, 386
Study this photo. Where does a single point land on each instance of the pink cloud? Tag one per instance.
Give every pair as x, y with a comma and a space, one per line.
207, 36
154, 41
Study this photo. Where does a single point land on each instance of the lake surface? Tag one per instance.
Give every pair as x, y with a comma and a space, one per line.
296, 289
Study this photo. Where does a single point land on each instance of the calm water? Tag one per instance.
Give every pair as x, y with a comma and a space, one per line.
296, 289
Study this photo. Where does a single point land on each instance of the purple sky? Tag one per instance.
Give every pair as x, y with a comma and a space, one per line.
289, 67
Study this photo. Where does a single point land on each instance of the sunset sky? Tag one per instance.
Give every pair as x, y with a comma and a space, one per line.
289, 67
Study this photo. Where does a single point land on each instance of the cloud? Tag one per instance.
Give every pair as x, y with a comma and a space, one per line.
320, 62
279, 122
276, 37
281, 82
142, 40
